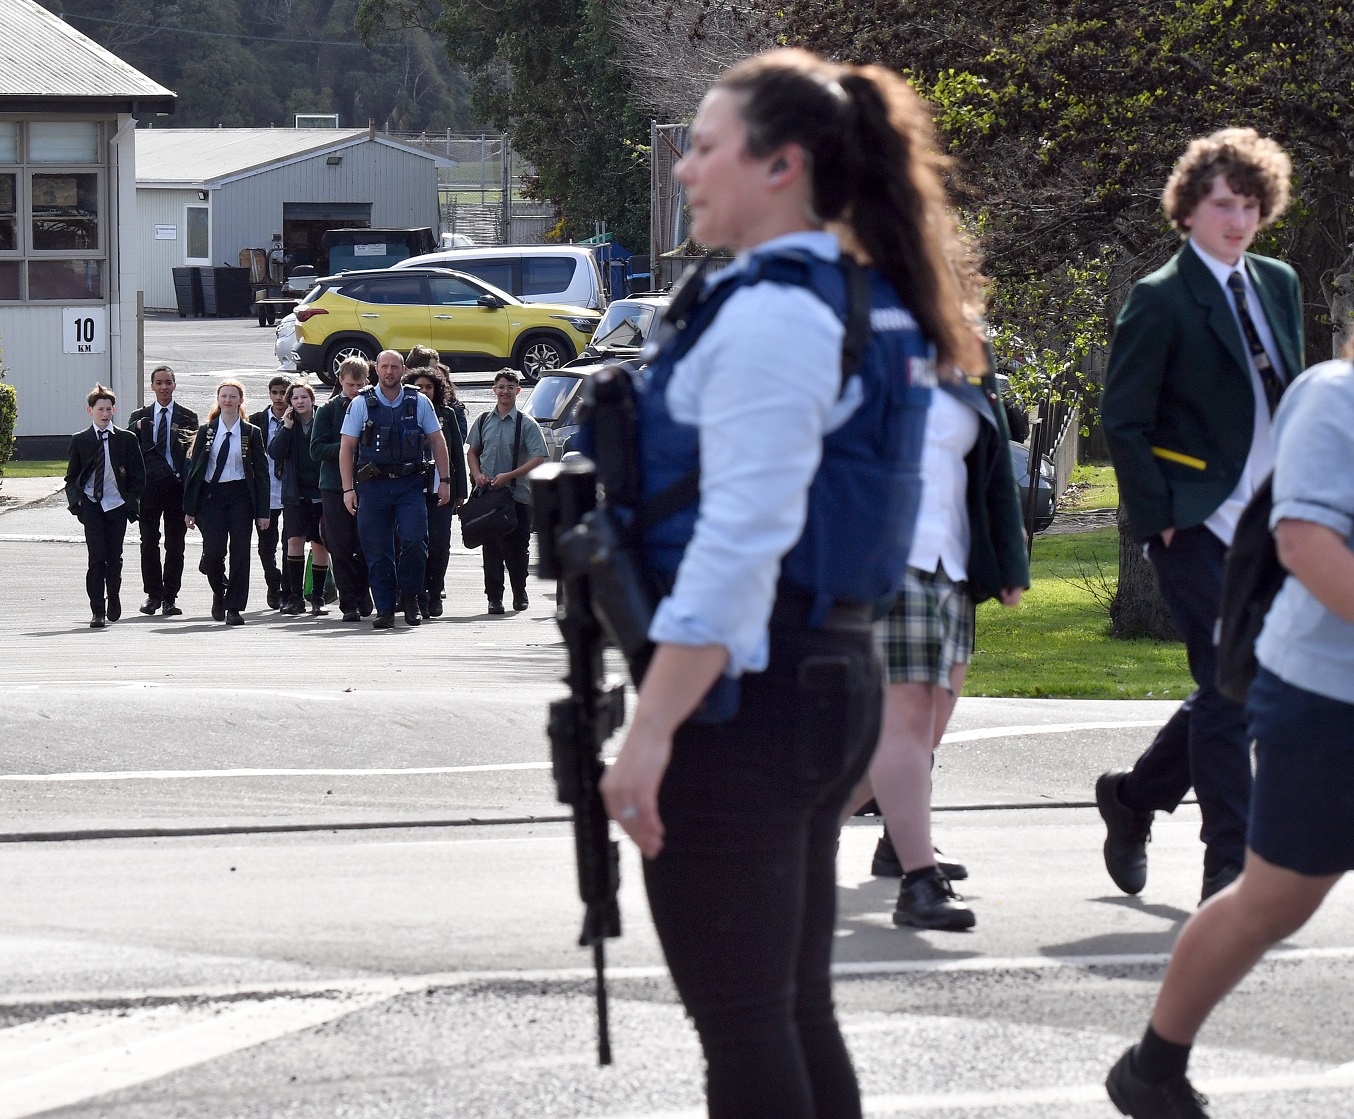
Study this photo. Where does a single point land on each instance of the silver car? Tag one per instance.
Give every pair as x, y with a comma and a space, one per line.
284, 345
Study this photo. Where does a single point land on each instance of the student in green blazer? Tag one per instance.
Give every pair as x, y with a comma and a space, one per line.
1202, 351
226, 494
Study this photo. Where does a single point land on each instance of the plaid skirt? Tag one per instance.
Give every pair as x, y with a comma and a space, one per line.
928, 631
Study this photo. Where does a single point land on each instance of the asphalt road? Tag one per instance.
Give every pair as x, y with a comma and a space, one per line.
303, 869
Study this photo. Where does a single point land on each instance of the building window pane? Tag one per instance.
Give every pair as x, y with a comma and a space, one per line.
9, 222
198, 243
9, 279
65, 279
63, 142
65, 211
9, 142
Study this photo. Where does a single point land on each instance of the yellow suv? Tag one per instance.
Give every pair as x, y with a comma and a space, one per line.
473, 325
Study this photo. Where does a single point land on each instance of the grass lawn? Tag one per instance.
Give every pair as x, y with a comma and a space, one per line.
1057, 642
1092, 486
34, 468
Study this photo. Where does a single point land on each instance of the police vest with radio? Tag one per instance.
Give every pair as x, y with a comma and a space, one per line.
392, 443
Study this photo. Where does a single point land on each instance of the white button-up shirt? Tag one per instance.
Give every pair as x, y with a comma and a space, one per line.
234, 471
112, 496
1260, 460
942, 538
168, 413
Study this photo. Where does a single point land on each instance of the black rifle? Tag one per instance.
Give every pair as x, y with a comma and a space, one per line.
561, 495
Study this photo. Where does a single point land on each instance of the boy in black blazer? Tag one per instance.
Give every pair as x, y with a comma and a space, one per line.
164, 431
104, 479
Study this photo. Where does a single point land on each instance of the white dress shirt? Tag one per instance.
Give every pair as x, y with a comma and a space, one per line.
234, 471
160, 410
112, 496
1260, 460
274, 482
941, 538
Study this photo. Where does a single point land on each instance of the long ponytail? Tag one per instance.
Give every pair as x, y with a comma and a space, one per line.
877, 171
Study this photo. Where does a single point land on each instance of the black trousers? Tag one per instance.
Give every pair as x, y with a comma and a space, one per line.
277, 578
439, 546
743, 893
104, 533
345, 551
226, 522
511, 551
162, 500
1205, 743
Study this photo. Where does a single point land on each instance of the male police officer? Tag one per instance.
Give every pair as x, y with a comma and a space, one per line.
381, 463
165, 431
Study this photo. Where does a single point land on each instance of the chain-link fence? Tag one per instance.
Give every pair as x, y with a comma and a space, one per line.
482, 194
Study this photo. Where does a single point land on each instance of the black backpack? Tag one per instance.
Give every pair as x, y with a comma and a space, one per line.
1252, 579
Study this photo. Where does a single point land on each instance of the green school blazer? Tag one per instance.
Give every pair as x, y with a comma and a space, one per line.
1178, 409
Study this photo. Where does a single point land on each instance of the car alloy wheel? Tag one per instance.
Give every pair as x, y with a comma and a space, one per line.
540, 354
342, 353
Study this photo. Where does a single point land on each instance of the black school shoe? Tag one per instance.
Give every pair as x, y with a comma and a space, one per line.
233, 618
928, 901
1127, 833
96, 620
385, 619
885, 863
169, 610
151, 605
218, 608
495, 606
520, 602
1135, 1097
114, 607
412, 616
274, 598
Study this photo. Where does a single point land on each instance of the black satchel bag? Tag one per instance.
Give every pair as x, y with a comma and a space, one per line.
489, 513
1252, 580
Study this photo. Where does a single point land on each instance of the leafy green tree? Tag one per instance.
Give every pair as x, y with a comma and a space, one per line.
547, 72
239, 63
1066, 117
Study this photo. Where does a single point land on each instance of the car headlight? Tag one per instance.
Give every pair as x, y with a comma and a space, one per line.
584, 324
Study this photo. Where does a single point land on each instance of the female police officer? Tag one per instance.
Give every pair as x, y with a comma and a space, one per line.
761, 703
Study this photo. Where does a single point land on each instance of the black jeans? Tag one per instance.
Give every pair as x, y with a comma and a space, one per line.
163, 498
345, 552
743, 893
226, 522
277, 578
439, 546
1204, 744
512, 551
104, 533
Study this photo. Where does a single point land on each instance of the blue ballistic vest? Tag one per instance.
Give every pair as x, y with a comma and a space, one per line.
863, 499
392, 436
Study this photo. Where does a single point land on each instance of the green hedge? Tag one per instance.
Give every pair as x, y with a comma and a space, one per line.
9, 413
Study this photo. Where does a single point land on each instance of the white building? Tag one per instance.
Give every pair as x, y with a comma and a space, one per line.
203, 194
68, 265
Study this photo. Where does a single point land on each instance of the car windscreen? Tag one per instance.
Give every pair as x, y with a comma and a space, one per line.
550, 398
624, 324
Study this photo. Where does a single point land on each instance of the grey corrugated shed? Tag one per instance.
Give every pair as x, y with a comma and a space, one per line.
203, 156
43, 58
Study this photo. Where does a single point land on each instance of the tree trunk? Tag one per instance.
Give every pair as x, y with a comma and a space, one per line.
1138, 609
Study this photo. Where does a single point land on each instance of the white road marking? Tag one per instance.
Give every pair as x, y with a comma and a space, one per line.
501, 767
390, 986
194, 774
66, 1058
1003, 1098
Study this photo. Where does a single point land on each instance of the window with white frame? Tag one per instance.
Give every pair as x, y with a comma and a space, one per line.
53, 218
197, 244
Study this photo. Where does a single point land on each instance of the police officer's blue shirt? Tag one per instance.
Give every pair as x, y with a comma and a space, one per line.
1302, 642
763, 384
357, 413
